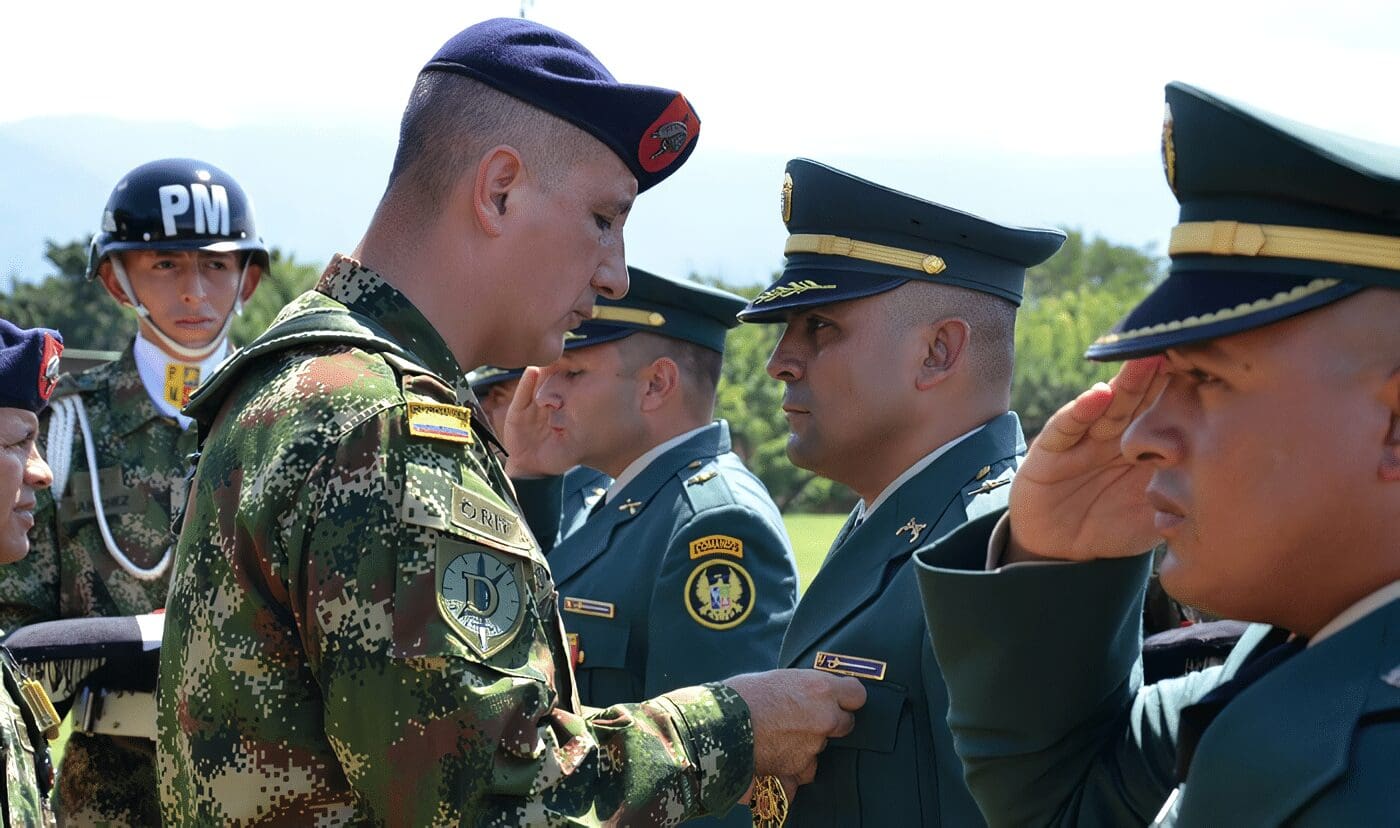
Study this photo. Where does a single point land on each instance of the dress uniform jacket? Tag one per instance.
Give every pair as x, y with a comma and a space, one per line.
1054, 725
861, 616
685, 575
359, 628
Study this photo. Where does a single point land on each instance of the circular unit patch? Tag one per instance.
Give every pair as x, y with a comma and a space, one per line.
719, 595
485, 596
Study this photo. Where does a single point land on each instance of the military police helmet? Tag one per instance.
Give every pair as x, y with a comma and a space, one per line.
177, 204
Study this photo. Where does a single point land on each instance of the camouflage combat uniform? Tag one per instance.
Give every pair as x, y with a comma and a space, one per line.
141, 457
23, 804
361, 630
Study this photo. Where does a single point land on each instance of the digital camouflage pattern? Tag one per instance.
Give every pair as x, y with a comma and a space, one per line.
23, 805
141, 457
68, 573
312, 674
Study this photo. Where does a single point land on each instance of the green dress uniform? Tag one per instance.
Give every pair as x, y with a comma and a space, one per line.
142, 466
850, 239
360, 629
1047, 704
861, 616
1055, 726
684, 576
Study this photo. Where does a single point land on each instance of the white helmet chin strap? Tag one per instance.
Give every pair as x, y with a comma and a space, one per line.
183, 352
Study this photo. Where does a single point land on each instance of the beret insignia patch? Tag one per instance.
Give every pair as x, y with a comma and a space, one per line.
48, 374
1168, 150
719, 595
663, 141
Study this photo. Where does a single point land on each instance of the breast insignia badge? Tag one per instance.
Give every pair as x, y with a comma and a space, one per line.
848, 665
913, 527
630, 507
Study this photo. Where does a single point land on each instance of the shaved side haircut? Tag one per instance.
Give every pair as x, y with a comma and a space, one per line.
699, 366
991, 351
451, 121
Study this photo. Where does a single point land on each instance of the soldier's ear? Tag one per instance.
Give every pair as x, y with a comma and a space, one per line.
497, 176
663, 379
109, 281
944, 344
1390, 458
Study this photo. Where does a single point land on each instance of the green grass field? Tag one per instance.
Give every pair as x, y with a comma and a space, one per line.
811, 536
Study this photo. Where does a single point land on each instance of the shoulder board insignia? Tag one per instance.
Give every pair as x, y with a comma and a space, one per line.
716, 545
845, 665
439, 421
702, 477
983, 472
599, 491
990, 485
630, 507
587, 606
695, 464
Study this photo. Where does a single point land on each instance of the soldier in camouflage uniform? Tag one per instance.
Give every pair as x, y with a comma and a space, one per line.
178, 243
28, 372
360, 629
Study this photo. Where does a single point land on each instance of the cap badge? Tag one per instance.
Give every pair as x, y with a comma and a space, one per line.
786, 197
668, 135
1169, 149
53, 351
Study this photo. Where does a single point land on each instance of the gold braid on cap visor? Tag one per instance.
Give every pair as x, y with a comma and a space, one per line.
865, 251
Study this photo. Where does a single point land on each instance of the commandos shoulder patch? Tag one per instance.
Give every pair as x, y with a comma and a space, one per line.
716, 545
440, 422
481, 593
719, 595
866, 668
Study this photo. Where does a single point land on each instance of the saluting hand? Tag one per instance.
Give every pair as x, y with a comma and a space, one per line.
1076, 497
527, 436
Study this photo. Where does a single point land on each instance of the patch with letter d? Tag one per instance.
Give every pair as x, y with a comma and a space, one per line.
481, 593
719, 594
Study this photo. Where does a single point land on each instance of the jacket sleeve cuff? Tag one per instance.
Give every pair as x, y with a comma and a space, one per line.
718, 733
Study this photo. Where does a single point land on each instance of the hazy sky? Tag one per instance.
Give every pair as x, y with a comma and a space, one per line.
1027, 82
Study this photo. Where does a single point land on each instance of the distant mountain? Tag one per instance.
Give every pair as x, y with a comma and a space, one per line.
315, 187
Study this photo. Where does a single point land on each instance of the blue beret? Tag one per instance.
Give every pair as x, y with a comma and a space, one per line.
28, 366
652, 130
851, 238
676, 308
1277, 218
488, 375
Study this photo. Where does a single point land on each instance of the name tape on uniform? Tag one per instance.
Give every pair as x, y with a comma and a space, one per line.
587, 606
866, 668
478, 516
440, 422
716, 545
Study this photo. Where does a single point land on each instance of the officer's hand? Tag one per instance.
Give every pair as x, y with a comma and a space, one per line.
1076, 497
527, 437
794, 713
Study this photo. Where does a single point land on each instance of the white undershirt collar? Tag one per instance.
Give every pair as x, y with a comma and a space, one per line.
639, 465
151, 363
863, 511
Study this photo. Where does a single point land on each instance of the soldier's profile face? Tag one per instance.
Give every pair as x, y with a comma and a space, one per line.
496, 400
566, 249
188, 293
593, 407
22, 472
846, 390
1266, 447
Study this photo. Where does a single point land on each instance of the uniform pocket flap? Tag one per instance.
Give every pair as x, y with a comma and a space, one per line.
877, 723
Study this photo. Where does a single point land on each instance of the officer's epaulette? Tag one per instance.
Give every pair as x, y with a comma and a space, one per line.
989, 489
704, 487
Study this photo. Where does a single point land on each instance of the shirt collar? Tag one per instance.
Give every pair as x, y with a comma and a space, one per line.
1358, 611
863, 511
639, 465
152, 364
366, 292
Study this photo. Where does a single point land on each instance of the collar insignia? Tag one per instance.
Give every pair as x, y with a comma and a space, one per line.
913, 527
